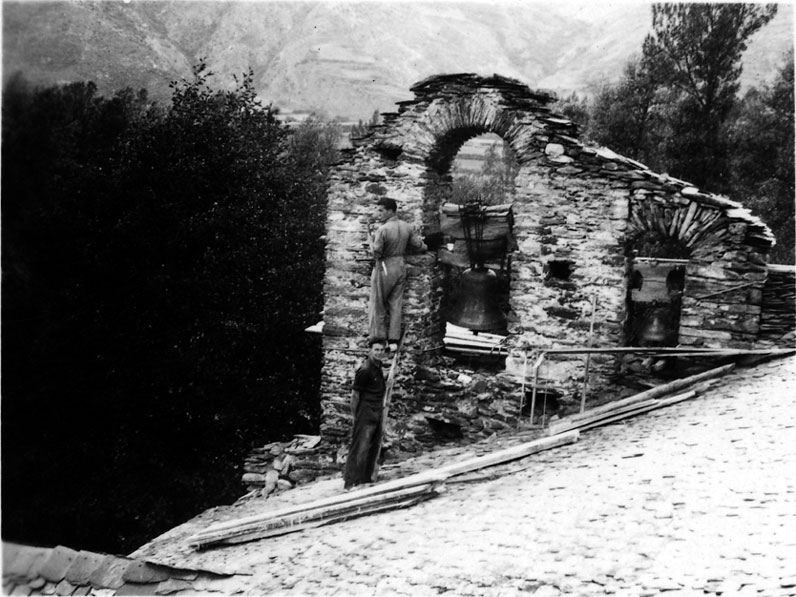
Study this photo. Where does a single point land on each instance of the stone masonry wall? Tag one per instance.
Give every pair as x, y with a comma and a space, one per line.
778, 316
577, 205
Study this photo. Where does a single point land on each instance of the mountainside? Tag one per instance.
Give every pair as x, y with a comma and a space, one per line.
344, 58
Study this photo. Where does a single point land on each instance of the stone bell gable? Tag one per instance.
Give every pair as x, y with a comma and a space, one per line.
578, 212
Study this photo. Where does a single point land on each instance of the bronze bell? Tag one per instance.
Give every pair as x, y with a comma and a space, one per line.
655, 331
475, 303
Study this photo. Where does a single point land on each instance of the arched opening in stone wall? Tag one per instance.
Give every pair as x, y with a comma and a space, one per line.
578, 215
657, 266
484, 168
473, 187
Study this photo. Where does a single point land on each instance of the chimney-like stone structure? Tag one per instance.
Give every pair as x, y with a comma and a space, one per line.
577, 209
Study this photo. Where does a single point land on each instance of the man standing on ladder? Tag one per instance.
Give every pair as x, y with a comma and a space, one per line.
389, 244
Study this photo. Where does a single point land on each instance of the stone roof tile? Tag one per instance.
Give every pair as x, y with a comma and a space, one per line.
64, 588
84, 565
77, 573
10, 552
20, 590
142, 572
185, 574
137, 589
61, 558
172, 586
108, 575
27, 562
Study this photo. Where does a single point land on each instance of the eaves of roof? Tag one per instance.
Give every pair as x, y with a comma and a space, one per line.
29, 570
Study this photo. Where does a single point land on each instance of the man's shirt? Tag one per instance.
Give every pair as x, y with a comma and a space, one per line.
393, 237
369, 382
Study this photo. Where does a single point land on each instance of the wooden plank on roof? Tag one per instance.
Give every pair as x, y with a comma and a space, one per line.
572, 421
373, 498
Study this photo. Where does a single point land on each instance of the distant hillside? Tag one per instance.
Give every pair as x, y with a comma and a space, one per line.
346, 59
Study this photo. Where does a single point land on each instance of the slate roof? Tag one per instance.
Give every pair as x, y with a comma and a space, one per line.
168, 566
29, 570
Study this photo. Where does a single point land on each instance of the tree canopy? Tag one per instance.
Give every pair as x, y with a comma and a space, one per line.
677, 109
695, 53
762, 160
492, 184
159, 266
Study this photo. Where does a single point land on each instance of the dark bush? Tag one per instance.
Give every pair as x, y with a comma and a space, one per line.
159, 267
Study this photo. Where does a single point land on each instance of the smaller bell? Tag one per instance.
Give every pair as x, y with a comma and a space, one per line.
655, 332
475, 302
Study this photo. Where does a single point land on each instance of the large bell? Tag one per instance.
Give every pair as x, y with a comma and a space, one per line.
474, 304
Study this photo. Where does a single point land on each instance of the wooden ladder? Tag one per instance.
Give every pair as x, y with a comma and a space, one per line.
390, 384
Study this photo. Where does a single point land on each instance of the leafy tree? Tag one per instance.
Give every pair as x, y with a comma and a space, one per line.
494, 184
630, 116
695, 50
361, 128
159, 266
500, 168
575, 108
676, 109
315, 143
762, 158
57, 196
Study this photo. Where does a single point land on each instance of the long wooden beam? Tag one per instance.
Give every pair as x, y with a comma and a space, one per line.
371, 509
640, 408
363, 501
673, 351
311, 516
572, 421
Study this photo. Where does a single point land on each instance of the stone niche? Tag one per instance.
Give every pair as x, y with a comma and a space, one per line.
578, 214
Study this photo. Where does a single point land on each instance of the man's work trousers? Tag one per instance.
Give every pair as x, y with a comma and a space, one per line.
365, 443
387, 298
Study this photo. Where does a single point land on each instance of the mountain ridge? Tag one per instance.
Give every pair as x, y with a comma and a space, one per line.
345, 59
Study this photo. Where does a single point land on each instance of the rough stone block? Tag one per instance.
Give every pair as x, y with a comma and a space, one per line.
707, 334
253, 479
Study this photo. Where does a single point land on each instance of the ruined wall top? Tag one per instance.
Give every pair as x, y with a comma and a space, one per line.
577, 206
456, 85
449, 109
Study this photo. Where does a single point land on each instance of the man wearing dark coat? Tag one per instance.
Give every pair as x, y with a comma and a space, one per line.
367, 406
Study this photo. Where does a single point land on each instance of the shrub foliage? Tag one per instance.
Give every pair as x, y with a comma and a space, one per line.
159, 267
